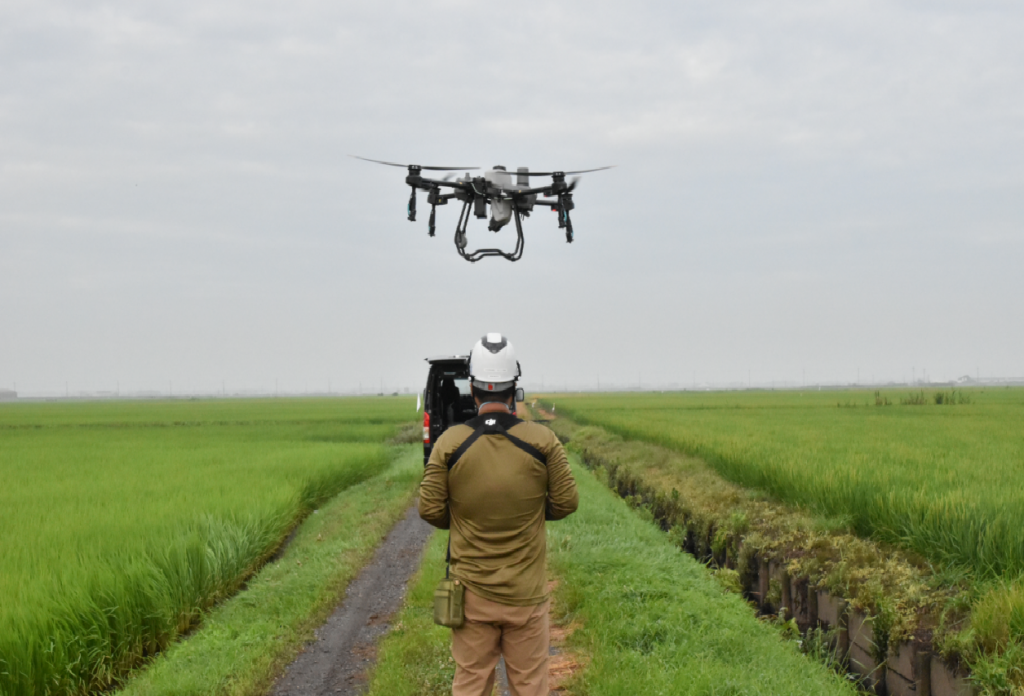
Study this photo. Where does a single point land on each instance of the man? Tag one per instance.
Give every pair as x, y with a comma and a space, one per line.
493, 481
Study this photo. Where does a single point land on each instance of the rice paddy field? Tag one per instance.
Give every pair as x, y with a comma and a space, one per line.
946, 481
121, 522
942, 480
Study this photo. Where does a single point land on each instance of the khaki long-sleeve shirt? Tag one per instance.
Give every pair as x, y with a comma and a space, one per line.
495, 499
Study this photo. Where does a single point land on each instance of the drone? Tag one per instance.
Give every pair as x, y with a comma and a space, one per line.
508, 200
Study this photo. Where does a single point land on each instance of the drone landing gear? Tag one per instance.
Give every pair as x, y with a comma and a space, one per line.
474, 256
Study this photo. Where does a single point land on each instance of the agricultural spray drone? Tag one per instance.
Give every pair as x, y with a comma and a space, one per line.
509, 199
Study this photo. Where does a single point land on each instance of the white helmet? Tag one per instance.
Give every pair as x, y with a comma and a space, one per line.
492, 364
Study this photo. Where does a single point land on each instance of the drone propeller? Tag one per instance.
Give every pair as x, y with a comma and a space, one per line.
573, 184
579, 171
406, 166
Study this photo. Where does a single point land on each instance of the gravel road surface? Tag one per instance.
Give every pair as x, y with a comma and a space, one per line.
345, 648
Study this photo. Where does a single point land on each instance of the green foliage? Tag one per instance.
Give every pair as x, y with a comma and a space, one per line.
912, 399
950, 398
122, 522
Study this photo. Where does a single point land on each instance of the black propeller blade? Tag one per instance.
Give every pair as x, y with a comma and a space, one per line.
406, 166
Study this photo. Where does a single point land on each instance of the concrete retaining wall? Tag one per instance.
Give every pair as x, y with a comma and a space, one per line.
910, 669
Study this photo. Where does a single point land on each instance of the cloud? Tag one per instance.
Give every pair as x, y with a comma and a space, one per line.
186, 166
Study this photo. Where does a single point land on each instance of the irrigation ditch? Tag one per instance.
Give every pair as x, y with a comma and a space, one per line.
868, 609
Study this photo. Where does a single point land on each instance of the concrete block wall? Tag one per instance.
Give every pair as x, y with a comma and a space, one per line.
862, 653
910, 669
947, 682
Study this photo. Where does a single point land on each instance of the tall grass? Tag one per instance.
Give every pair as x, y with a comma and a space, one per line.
121, 523
946, 483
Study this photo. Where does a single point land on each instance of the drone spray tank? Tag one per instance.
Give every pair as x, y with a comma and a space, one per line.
501, 209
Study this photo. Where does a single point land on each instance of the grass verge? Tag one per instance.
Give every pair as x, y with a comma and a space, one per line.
654, 621
414, 659
245, 642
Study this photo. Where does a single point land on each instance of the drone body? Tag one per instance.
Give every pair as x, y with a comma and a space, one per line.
508, 199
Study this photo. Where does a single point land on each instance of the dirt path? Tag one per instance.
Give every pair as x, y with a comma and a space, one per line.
345, 647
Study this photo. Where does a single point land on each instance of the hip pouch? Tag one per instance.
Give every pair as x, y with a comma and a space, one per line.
449, 597
449, 603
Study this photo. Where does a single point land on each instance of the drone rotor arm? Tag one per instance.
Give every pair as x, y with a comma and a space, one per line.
430, 183
516, 193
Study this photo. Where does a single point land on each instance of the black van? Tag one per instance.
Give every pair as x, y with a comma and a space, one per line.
447, 399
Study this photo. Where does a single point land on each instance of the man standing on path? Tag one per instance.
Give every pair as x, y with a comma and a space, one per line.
493, 481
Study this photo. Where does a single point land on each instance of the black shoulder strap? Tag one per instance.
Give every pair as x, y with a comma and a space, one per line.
461, 449
495, 424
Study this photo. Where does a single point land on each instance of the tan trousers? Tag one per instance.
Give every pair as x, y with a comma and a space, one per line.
492, 629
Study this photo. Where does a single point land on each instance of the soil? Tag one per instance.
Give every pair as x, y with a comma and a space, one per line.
336, 663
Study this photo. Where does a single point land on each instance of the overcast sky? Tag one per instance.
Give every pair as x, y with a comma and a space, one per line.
803, 191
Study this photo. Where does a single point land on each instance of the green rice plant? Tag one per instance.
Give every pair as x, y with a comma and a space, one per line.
945, 483
942, 483
119, 528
